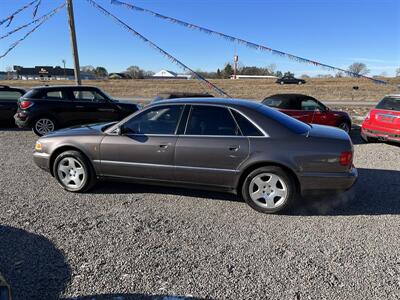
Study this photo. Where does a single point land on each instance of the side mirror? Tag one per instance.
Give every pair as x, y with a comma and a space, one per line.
121, 130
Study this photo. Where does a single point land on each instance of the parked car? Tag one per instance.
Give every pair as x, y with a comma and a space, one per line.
290, 80
176, 95
45, 109
383, 122
9, 103
309, 110
232, 145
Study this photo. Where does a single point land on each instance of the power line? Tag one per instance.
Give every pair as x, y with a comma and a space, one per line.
242, 41
154, 46
33, 22
11, 17
15, 44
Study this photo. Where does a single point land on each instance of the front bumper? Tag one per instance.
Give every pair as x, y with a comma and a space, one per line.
327, 182
42, 160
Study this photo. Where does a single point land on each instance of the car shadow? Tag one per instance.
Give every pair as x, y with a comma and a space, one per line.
376, 192
35, 269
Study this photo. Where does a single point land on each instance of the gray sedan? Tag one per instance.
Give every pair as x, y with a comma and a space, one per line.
238, 146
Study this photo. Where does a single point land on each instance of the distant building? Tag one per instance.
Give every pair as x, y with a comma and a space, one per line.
165, 74
8, 75
49, 73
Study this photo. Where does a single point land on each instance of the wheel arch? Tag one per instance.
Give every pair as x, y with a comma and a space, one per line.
257, 165
44, 115
62, 149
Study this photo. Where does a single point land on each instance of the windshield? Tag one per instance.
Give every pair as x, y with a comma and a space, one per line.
292, 124
390, 103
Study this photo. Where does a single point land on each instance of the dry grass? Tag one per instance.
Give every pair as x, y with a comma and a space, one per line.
323, 89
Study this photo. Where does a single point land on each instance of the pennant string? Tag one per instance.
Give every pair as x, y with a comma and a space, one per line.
11, 17
36, 8
244, 42
15, 44
163, 52
33, 22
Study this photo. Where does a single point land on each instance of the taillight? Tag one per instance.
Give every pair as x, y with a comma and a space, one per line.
346, 158
25, 104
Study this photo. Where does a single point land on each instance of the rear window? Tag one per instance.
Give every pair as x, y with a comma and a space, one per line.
390, 103
290, 123
278, 102
9, 95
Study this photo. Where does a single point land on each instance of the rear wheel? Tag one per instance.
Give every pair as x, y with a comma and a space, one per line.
269, 189
74, 171
299, 83
43, 126
281, 82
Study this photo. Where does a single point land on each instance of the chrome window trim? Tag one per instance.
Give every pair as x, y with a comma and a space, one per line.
113, 128
162, 166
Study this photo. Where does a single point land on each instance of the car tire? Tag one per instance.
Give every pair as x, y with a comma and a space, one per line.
345, 126
260, 186
43, 125
74, 171
281, 82
300, 83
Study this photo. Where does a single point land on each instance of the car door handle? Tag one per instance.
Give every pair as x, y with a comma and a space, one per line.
164, 146
234, 148
79, 106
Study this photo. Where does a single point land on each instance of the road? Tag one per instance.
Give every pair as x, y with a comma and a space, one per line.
126, 241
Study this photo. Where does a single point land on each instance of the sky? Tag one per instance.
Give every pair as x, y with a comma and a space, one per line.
335, 32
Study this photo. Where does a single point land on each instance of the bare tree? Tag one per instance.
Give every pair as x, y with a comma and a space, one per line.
135, 72
358, 68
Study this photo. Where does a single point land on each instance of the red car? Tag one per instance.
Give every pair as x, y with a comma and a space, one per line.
309, 110
383, 122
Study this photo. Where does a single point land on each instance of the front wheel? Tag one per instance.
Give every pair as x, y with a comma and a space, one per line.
74, 171
43, 126
345, 126
269, 190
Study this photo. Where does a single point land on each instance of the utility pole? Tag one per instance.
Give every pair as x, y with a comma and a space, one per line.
74, 46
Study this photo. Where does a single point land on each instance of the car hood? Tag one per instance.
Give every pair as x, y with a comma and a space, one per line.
89, 129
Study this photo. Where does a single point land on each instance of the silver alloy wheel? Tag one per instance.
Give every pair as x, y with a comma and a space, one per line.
44, 126
71, 172
268, 190
344, 126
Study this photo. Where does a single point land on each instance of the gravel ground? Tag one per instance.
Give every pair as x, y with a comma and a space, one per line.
125, 241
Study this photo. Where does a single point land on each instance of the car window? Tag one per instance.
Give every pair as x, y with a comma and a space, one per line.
290, 123
389, 103
53, 95
211, 120
247, 128
310, 104
157, 120
88, 96
278, 102
10, 95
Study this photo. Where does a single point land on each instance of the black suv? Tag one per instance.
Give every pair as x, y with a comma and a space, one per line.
9, 103
48, 108
290, 80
